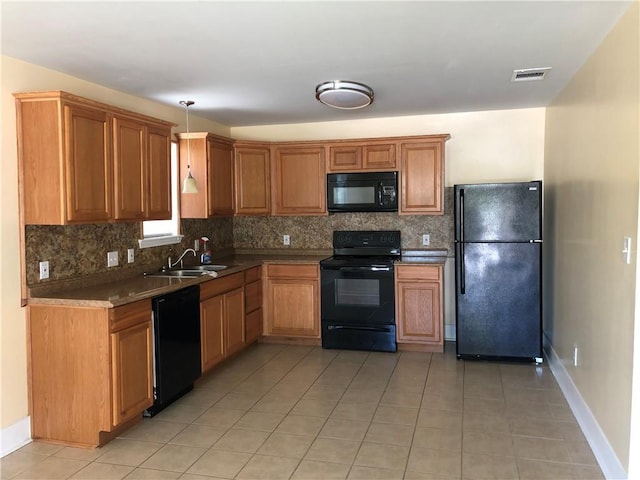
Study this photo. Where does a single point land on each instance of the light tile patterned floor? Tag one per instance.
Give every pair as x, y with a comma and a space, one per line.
279, 412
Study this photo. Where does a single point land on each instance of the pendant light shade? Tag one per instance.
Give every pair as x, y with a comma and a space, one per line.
189, 184
344, 94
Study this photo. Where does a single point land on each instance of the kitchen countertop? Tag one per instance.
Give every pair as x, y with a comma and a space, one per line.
138, 286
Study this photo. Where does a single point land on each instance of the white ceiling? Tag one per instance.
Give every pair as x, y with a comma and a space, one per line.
255, 63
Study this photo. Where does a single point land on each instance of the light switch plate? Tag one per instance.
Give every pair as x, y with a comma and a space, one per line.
44, 270
112, 259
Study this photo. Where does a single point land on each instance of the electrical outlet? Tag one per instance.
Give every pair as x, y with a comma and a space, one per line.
426, 239
112, 259
575, 355
131, 255
286, 240
196, 244
44, 270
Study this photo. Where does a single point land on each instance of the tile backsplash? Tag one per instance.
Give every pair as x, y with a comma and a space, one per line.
315, 232
81, 250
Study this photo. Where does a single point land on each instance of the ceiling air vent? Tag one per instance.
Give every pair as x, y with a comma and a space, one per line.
527, 74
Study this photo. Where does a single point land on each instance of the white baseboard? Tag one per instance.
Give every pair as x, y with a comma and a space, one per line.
449, 331
15, 436
605, 455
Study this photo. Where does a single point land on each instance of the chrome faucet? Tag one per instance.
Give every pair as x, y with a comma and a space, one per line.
171, 264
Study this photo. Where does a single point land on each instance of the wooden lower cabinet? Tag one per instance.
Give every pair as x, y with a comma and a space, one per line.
419, 305
90, 371
253, 304
221, 319
292, 300
131, 351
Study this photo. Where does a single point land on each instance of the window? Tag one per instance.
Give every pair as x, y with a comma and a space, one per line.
165, 232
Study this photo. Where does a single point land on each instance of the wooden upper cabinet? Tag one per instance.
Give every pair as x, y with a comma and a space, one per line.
362, 156
129, 168
211, 161
299, 180
82, 161
221, 179
87, 162
252, 180
422, 177
159, 173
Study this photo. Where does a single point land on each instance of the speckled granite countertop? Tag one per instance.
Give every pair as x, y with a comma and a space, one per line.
138, 287
120, 291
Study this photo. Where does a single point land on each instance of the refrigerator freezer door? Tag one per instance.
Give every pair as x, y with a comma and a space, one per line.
498, 315
502, 212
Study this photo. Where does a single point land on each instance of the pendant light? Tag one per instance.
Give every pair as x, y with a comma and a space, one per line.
189, 183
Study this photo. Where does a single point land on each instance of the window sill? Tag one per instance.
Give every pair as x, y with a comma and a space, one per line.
159, 241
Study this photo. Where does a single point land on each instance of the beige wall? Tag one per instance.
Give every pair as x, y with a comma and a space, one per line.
17, 76
485, 146
491, 146
591, 203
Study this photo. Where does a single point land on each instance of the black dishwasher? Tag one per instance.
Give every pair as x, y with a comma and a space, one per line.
176, 345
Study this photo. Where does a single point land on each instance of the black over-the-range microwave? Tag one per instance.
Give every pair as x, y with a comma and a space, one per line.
362, 192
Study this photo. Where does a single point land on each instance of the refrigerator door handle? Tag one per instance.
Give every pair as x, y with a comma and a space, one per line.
461, 223
462, 282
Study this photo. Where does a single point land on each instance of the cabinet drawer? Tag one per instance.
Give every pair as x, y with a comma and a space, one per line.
129, 315
252, 274
419, 272
221, 285
253, 296
293, 271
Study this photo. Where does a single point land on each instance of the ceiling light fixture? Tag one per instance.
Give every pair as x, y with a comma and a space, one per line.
344, 94
189, 184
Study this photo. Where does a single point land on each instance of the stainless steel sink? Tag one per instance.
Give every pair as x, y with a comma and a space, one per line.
175, 273
208, 268
194, 271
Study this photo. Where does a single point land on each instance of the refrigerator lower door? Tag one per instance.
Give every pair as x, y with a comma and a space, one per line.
498, 300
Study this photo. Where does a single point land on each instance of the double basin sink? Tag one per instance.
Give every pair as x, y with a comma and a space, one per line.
194, 271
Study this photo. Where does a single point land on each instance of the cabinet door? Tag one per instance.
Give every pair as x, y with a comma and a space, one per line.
253, 326
159, 173
212, 334
234, 318
129, 169
88, 164
419, 312
220, 180
345, 158
380, 157
421, 179
300, 181
132, 371
292, 306
253, 186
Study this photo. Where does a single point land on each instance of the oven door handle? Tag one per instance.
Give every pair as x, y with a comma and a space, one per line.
365, 269
346, 327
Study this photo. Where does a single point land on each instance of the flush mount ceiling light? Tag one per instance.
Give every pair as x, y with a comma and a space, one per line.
344, 94
189, 183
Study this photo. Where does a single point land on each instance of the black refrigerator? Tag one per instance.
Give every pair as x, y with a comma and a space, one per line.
498, 253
